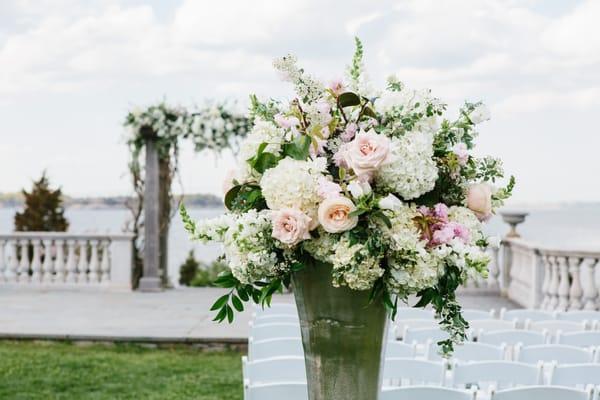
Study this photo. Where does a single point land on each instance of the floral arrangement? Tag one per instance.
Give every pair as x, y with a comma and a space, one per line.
376, 183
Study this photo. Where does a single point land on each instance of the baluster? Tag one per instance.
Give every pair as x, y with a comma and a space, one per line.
94, 263
575, 291
71, 265
563, 287
554, 282
36, 262
59, 263
596, 267
13, 262
3, 264
105, 264
47, 266
82, 265
24, 262
589, 286
545, 282
494, 272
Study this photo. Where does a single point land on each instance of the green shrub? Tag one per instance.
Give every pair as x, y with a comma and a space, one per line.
198, 274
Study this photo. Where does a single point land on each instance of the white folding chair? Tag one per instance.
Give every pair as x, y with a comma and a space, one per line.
526, 314
490, 325
581, 339
279, 347
559, 353
512, 337
486, 375
554, 326
276, 308
274, 330
415, 324
426, 393
400, 350
471, 351
277, 391
424, 335
542, 393
577, 375
412, 371
472, 314
274, 370
578, 315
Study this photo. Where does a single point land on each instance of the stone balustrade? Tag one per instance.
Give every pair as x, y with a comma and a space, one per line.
551, 279
58, 259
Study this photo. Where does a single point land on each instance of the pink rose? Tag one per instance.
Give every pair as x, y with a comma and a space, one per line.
366, 152
334, 214
479, 200
327, 188
290, 226
337, 87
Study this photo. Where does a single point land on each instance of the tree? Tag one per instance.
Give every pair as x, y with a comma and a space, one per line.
188, 270
43, 209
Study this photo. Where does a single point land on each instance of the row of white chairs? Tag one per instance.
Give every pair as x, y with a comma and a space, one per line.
483, 377
298, 391
469, 351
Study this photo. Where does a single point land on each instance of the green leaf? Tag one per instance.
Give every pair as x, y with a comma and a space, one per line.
381, 215
221, 315
237, 303
264, 161
348, 99
229, 314
231, 196
243, 293
299, 149
368, 111
220, 302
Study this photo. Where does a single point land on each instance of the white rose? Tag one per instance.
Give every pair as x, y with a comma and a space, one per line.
390, 202
479, 114
334, 214
359, 189
479, 200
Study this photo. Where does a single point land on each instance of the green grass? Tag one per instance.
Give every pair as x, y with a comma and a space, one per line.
51, 371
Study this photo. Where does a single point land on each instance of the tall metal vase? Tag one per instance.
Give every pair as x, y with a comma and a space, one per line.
343, 336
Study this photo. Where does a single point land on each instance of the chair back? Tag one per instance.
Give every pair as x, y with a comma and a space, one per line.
471, 351
555, 326
426, 393
559, 353
542, 393
279, 347
424, 335
580, 375
274, 370
400, 350
512, 337
274, 330
413, 371
414, 313
277, 391
496, 374
580, 339
471, 315
526, 314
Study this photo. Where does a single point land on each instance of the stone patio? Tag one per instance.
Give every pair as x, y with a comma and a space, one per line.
174, 316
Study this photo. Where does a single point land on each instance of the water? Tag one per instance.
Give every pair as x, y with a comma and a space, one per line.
567, 226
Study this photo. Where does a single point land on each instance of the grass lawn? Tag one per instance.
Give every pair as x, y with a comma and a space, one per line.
66, 371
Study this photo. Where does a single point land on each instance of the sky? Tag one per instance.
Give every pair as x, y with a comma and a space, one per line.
70, 71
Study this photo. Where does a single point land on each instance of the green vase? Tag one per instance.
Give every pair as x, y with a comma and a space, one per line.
343, 336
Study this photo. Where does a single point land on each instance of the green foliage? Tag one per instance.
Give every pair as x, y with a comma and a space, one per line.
43, 209
207, 274
348, 99
299, 149
242, 198
189, 269
266, 111
357, 62
63, 371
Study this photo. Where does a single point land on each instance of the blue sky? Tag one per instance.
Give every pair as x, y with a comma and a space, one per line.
70, 70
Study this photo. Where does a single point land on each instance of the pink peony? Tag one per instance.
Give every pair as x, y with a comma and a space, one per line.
327, 188
443, 236
334, 214
366, 152
441, 212
337, 87
290, 226
479, 200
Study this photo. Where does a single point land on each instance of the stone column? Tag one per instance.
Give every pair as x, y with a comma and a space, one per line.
151, 281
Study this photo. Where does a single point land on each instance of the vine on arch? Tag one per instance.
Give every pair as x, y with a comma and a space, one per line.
215, 127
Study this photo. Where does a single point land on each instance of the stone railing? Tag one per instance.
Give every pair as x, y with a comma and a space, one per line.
57, 259
549, 278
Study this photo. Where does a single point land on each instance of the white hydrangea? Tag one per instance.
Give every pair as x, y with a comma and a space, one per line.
410, 170
413, 271
406, 102
293, 184
262, 132
403, 235
466, 217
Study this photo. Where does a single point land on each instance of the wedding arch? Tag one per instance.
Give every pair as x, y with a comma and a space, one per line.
154, 135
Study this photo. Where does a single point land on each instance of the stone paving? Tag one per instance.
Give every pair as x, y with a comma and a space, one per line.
174, 316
